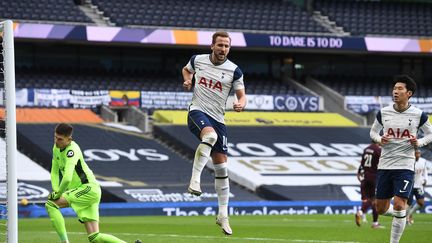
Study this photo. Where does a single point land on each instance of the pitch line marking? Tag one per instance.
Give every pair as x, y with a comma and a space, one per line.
218, 238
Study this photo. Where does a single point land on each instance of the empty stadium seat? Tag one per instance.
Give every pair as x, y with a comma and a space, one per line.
142, 80
368, 85
241, 14
47, 10
379, 17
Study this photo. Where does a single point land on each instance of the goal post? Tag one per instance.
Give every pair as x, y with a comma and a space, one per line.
8, 70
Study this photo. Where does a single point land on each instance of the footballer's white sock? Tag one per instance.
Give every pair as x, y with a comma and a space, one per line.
389, 211
398, 226
222, 188
412, 209
202, 155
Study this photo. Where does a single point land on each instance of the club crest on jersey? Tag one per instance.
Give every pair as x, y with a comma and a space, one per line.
398, 133
211, 84
70, 153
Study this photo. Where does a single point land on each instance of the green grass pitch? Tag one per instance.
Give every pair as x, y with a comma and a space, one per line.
281, 228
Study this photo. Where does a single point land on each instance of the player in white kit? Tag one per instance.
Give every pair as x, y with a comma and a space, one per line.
215, 76
399, 124
420, 181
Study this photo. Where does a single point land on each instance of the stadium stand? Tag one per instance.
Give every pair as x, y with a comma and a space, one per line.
98, 80
143, 180
142, 80
241, 15
329, 156
43, 10
125, 161
367, 85
379, 17
358, 85
263, 84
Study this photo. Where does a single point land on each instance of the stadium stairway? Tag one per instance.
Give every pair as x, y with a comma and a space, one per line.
334, 102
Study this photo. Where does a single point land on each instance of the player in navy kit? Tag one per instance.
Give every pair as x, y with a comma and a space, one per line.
215, 76
399, 124
367, 176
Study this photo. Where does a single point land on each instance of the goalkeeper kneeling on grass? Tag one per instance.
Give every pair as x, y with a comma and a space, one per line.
77, 188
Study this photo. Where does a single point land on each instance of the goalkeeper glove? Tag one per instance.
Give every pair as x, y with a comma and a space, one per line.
54, 195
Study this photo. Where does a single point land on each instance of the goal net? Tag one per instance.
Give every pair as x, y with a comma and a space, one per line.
8, 177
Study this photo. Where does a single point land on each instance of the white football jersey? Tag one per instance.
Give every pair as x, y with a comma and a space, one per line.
421, 174
213, 84
398, 153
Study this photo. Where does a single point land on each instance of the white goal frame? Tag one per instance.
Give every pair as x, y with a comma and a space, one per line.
11, 141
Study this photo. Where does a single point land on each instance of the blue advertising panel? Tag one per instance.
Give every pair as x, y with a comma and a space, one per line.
309, 42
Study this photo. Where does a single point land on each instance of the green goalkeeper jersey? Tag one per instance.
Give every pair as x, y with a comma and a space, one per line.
69, 170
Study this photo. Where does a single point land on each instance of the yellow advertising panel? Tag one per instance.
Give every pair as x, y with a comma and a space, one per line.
313, 119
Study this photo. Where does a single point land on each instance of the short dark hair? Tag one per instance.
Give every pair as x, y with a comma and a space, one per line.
64, 129
220, 34
407, 80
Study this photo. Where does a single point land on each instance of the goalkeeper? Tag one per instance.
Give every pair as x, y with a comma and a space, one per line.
74, 185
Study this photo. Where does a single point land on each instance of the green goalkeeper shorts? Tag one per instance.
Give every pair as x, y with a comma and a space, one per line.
84, 200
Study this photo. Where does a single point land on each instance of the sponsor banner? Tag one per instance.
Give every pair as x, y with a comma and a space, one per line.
260, 102
27, 190
287, 166
126, 164
362, 104
353, 193
250, 118
89, 99
165, 100
366, 104
289, 171
211, 209
296, 103
181, 100
285, 156
307, 42
310, 119
423, 103
24, 97
203, 38
157, 195
124, 98
279, 141
254, 102
398, 44
51, 97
